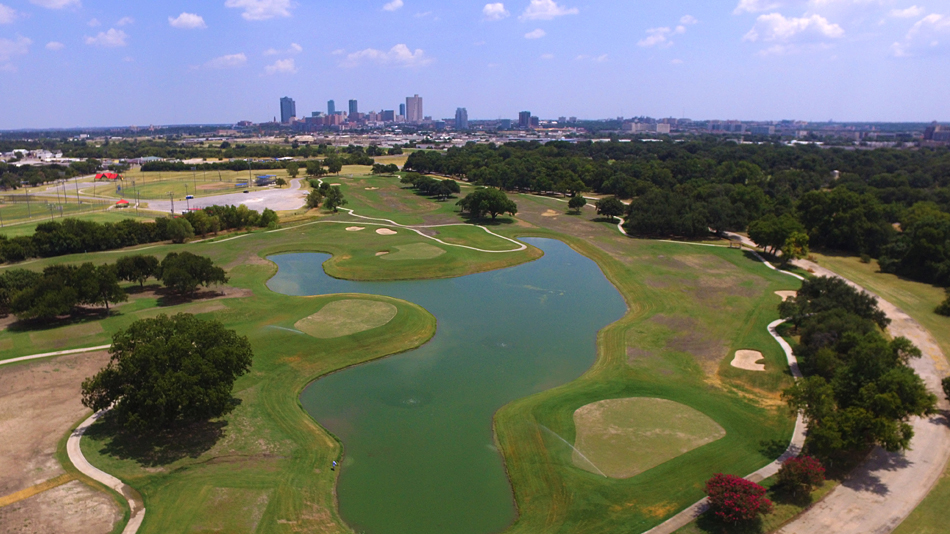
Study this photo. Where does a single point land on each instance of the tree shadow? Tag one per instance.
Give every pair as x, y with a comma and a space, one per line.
708, 522
500, 221
140, 290
156, 448
79, 315
168, 297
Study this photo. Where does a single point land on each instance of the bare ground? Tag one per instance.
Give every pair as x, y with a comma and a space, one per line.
39, 402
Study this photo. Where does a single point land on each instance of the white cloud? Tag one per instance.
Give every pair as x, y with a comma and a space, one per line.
399, 55
282, 66
930, 34
338, 52
689, 20
546, 10
261, 9
110, 39
909, 13
124, 21
660, 37
294, 49
188, 21
776, 27
495, 11
536, 34
18, 47
55, 46
227, 62
56, 4
7, 14
394, 5
94, 23
422, 15
755, 6
676, 62
547, 56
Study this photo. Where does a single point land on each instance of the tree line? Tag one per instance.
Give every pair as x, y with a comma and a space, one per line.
61, 289
73, 236
893, 205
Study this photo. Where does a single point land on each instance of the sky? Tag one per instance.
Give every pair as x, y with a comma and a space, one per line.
68, 63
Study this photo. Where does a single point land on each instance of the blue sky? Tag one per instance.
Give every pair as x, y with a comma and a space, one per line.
70, 63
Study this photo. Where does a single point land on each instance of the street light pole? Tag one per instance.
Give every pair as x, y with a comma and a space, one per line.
171, 196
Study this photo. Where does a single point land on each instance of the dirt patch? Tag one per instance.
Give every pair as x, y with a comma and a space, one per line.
39, 402
634, 354
621, 438
745, 359
550, 213
692, 338
73, 508
385, 231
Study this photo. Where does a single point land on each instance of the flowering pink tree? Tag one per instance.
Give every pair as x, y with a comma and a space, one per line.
801, 474
734, 499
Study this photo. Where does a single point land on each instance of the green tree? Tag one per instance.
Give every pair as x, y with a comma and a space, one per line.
946, 387
577, 202
280, 182
944, 307
771, 232
269, 219
314, 199
610, 207
138, 268
179, 230
52, 295
334, 199
293, 169
12, 282
334, 165
488, 201
796, 247
315, 169
168, 371
183, 272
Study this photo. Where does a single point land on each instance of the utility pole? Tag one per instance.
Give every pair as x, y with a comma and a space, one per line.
29, 213
78, 201
194, 179
171, 196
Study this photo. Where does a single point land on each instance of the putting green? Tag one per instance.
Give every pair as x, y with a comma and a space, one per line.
346, 317
624, 437
415, 251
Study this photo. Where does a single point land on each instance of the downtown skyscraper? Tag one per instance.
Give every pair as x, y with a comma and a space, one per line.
288, 109
414, 109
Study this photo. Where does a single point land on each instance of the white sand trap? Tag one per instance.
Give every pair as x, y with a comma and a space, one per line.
785, 295
385, 231
355, 229
550, 213
745, 359
335, 185
372, 188
383, 253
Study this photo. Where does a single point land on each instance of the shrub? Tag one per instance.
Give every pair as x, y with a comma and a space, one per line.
944, 308
801, 475
734, 499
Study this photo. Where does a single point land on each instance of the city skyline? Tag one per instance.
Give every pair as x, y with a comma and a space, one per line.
814, 60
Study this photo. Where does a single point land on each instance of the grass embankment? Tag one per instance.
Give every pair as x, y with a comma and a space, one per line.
918, 300
28, 228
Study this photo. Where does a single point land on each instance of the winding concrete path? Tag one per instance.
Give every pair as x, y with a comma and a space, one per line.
79, 461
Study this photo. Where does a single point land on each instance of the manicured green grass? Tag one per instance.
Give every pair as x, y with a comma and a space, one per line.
918, 300
415, 251
624, 437
690, 309
112, 216
38, 211
347, 317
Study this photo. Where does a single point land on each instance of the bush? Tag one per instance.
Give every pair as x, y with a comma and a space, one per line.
734, 499
184, 272
946, 387
801, 475
944, 308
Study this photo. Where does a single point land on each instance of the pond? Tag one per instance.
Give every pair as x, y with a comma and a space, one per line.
417, 427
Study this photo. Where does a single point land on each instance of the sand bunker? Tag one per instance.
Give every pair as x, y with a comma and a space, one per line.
372, 188
355, 229
335, 185
383, 253
347, 317
745, 359
624, 437
385, 231
785, 295
415, 251
550, 213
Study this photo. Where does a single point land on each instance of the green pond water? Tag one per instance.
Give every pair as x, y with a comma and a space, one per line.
417, 427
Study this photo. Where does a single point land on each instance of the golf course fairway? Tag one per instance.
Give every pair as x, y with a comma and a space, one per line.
417, 427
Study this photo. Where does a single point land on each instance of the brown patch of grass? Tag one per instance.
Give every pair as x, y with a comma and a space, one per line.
692, 338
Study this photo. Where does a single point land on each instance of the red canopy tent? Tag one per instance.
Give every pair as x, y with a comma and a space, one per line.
122, 204
108, 176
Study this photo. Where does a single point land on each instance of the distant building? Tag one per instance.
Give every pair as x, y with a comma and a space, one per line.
534, 122
288, 109
388, 116
331, 107
762, 130
414, 109
937, 133
461, 119
524, 120
504, 124
354, 109
402, 110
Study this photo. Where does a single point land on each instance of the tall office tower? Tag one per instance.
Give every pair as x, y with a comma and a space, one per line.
288, 109
461, 119
402, 110
354, 108
524, 119
331, 107
414, 109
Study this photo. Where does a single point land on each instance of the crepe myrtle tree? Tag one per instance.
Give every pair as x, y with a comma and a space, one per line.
169, 371
734, 499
